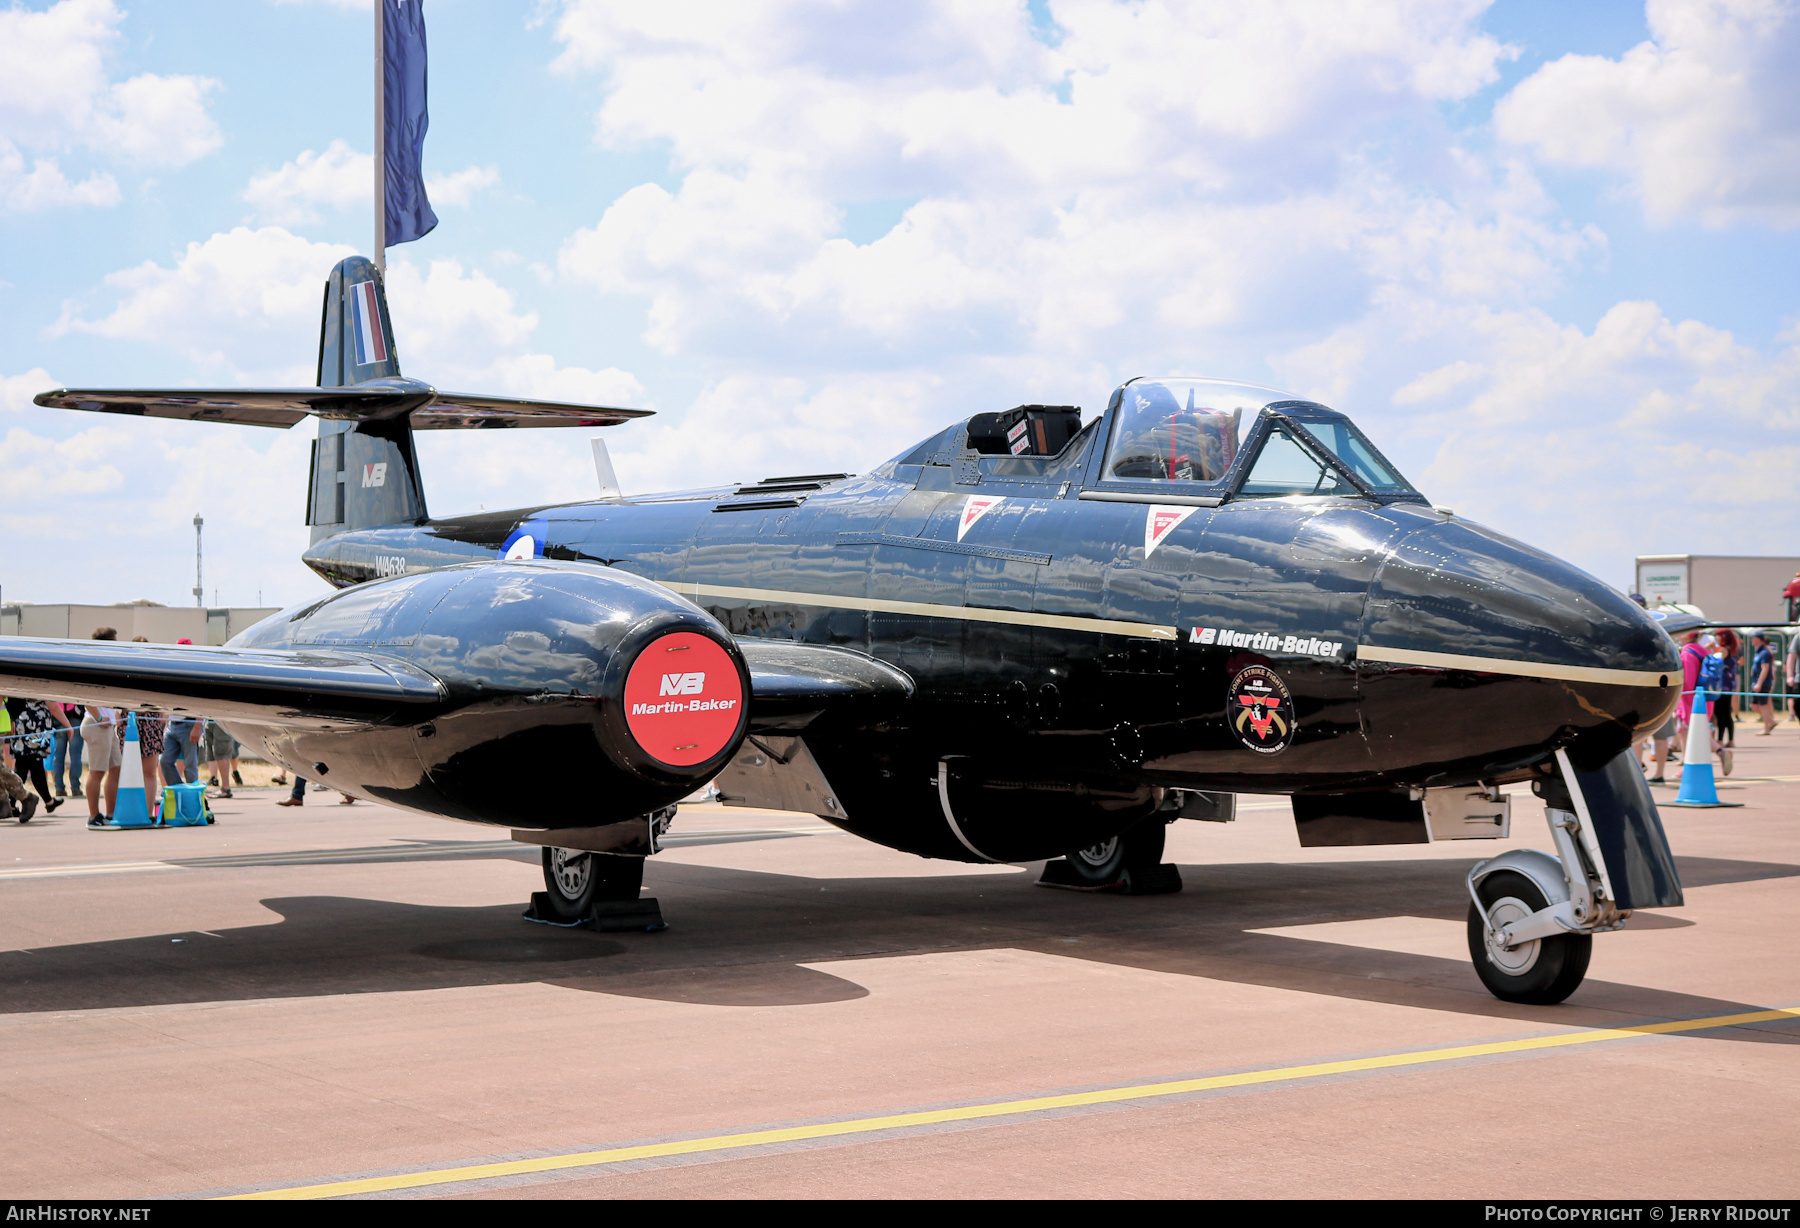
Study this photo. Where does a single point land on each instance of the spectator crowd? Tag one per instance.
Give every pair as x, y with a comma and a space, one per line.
71, 737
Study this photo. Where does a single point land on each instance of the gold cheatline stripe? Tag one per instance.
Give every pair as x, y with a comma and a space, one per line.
1524, 669
1007, 1108
925, 609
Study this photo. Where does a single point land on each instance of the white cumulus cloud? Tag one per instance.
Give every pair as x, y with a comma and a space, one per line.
292, 194
458, 188
341, 178
1703, 120
1166, 174
1643, 435
57, 96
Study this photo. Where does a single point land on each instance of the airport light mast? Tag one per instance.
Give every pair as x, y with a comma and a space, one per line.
199, 588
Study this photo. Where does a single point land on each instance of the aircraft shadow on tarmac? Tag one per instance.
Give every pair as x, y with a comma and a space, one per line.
743, 938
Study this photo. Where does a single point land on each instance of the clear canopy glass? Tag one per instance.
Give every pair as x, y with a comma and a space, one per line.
1182, 429
1189, 430
1285, 466
1358, 455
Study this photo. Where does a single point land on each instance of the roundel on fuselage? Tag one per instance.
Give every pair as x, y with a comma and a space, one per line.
525, 542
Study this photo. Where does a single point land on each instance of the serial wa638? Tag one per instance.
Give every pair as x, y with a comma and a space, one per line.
1026, 638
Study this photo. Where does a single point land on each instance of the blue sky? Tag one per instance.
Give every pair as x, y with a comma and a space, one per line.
1544, 253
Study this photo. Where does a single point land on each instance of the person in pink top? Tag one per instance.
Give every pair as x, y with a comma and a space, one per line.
1695, 648
1693, 656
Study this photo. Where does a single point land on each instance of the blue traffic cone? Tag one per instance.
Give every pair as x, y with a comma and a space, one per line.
1697, 785
133, 807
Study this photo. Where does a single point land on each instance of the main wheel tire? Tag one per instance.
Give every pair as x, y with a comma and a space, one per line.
1539, 972
574, 881
1104, 864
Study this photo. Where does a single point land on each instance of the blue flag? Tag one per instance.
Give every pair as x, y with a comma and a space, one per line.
409, 214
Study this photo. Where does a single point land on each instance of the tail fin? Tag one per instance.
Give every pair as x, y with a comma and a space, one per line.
356, 339
365, 471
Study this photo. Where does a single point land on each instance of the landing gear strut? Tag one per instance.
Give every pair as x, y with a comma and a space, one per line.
1129, 863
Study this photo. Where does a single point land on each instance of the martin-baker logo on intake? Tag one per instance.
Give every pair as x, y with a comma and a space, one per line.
1260, 710
684, 699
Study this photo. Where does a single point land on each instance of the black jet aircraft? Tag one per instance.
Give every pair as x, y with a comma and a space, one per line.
1025, 638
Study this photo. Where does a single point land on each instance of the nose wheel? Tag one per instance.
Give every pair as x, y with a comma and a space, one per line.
1538, 971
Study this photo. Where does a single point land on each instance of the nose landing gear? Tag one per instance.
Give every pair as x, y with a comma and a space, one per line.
1532, 917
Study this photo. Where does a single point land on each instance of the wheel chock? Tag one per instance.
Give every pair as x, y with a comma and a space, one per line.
1164, 879
641, 916
1059, 873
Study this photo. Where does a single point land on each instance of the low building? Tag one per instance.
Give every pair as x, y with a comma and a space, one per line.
1743, 590
160, 624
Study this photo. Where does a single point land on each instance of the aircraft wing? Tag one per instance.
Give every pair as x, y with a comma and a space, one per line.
304, 687
430, 409
791, 683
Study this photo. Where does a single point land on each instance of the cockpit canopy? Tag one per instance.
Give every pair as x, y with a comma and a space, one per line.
1174, 439
1191, 430
1180, 429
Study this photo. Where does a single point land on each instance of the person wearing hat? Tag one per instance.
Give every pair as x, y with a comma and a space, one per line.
1792, 593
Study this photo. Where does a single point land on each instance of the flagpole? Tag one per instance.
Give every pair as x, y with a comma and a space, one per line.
380, 145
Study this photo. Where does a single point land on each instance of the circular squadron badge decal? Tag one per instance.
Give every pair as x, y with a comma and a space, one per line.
1260, 710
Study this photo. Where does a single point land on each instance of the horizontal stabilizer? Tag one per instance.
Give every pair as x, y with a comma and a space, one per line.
309, 687
393, 397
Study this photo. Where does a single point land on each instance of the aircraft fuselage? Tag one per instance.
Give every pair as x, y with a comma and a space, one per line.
1075, 656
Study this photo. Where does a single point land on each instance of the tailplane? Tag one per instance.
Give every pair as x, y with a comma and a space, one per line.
364, 469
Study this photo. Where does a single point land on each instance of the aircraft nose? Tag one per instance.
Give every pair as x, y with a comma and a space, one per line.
1541, 653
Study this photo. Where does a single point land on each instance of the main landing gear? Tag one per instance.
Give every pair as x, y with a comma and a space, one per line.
601, 890
1129, 863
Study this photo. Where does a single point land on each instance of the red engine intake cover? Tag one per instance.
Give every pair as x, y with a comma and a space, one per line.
683, 699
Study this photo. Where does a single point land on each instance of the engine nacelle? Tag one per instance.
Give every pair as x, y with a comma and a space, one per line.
576, 695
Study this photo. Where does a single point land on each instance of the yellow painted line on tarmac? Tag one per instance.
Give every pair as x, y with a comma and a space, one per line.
1004, 1108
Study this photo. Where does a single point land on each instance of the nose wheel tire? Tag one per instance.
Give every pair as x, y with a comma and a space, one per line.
574, 881
1539, 972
